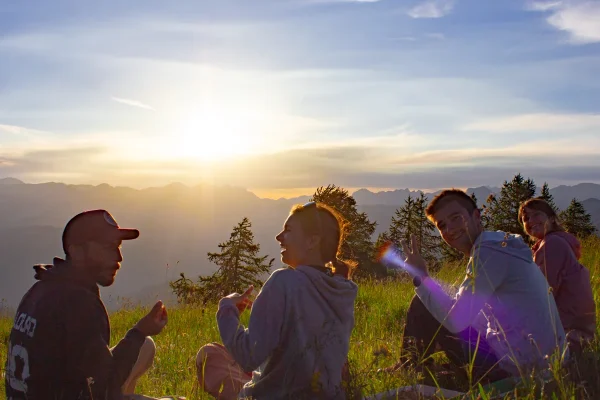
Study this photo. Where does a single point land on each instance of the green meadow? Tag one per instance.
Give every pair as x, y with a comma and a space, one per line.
375, 343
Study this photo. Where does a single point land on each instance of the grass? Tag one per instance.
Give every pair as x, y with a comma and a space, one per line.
375, 343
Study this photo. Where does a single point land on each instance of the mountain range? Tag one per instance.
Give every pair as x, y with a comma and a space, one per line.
179, 224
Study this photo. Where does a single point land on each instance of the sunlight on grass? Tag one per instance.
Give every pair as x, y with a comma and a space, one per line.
375, 343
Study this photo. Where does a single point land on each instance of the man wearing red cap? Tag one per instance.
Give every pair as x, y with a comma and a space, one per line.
59, 344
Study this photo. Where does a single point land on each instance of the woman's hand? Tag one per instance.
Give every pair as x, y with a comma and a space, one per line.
242, 301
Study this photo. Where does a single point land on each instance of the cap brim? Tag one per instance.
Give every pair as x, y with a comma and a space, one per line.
128, 234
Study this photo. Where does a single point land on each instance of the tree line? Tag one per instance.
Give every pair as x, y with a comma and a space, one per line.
240, 265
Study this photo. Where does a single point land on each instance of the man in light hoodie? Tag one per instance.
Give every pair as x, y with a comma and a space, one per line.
503, 321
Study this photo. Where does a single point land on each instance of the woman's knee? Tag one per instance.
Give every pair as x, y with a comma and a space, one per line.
206, 352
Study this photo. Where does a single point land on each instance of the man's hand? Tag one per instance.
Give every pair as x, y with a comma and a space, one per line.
242, 301
414, 260
154, 322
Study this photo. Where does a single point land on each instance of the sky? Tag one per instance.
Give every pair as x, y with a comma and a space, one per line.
282, 96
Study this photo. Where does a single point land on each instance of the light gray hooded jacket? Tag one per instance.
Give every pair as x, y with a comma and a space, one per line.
298, 336
505, 287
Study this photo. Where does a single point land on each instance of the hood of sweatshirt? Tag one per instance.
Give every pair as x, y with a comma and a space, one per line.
339, 293
569, 238
61, 270
503, 242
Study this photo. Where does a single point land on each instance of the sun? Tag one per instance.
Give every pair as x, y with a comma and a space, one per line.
215, 134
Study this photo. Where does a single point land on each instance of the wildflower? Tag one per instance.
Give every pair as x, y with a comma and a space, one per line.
315, 384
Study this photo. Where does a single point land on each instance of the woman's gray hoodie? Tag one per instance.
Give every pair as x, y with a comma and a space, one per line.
298, 337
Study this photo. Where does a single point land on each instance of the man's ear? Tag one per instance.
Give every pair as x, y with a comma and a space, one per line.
76, 252
476, 215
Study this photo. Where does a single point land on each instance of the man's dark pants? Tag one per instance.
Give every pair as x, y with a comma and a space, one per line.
424, 335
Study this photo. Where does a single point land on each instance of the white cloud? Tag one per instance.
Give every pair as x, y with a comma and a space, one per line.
543, 5
432, 9
19, 137
537, 122
17, 130
579, 18
133, 103
565, 150
379, 162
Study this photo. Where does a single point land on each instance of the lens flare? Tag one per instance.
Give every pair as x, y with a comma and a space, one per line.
393, 258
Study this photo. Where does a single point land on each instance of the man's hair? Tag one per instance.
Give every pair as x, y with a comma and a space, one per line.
447, 196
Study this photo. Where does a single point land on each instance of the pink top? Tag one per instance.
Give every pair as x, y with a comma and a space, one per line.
557, 256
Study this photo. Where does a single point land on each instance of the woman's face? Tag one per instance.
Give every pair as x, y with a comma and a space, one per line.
296, 246
536, 223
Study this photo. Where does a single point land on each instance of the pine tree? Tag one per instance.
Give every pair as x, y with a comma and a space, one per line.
357, 245
382, 239
474, 198
545, 195
239, 267
502, 212
403, 222
426, 233
576, 220
411, 219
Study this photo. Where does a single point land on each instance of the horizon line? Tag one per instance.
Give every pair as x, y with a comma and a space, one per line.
260, 193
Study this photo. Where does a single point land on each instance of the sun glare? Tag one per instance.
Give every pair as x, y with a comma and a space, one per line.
213, 135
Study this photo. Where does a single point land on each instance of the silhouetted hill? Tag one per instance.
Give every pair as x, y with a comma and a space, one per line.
387, 198
397, 197
10, 181
179, 225
592, 206
583, 191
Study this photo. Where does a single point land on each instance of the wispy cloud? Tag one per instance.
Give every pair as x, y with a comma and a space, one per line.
133, 103
579, 18
436, 35
339, 1
543, 5
15, 130
23, 136
432, 9
536, 123
353, 164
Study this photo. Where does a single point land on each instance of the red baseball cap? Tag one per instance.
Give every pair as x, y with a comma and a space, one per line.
95, 226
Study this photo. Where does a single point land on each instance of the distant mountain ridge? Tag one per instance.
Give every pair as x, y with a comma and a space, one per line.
10, 181
179, 224
562, 194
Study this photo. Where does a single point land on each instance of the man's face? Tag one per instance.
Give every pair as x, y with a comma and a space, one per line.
103, 260
458, 228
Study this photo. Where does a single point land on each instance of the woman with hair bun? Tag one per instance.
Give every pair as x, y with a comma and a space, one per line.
297, 340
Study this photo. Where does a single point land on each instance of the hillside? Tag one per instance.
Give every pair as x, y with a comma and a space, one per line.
178, 224
592, 206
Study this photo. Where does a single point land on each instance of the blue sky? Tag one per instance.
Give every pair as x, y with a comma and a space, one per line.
280, 96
